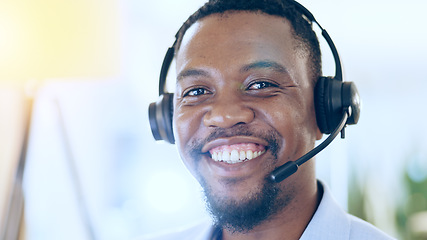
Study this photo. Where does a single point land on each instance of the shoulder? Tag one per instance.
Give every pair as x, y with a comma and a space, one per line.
330, 221
199, 231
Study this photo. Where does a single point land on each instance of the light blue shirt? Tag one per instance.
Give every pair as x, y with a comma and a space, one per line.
328, 223
331, 222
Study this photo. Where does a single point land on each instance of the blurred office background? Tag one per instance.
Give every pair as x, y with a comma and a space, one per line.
93, 170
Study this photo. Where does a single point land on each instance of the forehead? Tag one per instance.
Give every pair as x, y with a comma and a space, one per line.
252, 34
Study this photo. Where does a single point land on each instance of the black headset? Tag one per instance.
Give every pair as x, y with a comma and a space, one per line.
332, 96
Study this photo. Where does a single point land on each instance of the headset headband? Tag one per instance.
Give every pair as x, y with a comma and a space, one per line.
167, 61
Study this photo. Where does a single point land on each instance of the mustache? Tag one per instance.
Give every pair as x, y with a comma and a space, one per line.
272, 137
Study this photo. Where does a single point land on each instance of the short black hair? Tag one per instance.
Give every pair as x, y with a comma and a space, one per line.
302, 27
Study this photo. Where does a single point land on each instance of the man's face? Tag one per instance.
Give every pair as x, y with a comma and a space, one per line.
243, 105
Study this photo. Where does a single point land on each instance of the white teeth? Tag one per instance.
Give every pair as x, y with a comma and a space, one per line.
242, 155
235, 156
249, 155
225, 156
215, 156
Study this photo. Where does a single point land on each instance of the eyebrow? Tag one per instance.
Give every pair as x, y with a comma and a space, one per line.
255, 65
191, 72
264, 65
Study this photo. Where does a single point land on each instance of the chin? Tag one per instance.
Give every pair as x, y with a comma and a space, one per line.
239, 207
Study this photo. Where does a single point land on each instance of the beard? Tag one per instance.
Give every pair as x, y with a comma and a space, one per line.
244, 214
256, 207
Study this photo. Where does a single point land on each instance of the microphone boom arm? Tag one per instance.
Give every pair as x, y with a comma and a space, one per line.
289, 168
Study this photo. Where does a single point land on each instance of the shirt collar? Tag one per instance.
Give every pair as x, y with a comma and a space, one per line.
329, 220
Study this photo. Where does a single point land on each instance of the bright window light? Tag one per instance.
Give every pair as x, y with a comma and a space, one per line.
167, 191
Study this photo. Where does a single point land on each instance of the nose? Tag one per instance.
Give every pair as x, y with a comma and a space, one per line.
227, 112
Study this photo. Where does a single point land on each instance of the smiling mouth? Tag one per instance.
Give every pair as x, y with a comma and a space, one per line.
237, 153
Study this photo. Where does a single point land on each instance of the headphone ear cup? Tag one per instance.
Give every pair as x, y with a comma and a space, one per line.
320, 104
328, 103
160, 116
331, 98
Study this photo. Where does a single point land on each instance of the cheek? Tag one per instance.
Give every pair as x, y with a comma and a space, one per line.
285, 115
295, 122
182, 131
186, 125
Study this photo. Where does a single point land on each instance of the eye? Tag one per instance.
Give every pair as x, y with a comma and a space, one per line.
261, 85
195, 92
